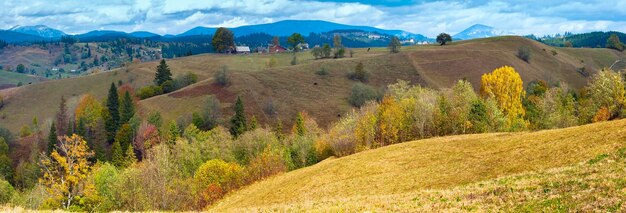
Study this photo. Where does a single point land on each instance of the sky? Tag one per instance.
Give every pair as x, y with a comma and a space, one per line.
521, 17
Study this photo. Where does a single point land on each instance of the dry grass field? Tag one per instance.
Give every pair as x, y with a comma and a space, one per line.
298, 88
573, 169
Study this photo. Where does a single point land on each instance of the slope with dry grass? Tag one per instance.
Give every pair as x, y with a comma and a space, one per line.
295, 88
456, 172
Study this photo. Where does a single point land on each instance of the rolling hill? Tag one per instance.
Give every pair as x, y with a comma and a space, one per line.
573, 169
292, 88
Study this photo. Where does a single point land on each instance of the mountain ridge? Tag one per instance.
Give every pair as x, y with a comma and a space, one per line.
479, 31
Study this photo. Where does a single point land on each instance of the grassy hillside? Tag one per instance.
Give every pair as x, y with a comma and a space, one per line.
295, 88
10, 79
453, 173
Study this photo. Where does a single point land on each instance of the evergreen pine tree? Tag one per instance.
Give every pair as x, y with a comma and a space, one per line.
52, 138
129, 157
163, 73
238, 121
298, 127
112, 121
117, 156
278, 130
253, 123
80, 127
127, 108
124, 137
172, 133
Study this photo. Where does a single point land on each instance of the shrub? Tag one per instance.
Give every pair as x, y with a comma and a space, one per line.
316, 52
302, 151
221, 77
270, 108
322, 72
149, 91
185, 80
217, 172
1, 101
268, 163
340, 138
294, 60
251, 144
524, 53
168, 86
603, 114
554, 52
6, 191
361, 94
339, 53
359, 74
326, 51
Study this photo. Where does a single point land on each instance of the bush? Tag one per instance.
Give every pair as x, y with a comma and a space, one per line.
268, 163
302, 151
340, 138
185, 80
6, 191
359, 73
316, 52
168, 86
149, 91
1, 101
294, 60
251, 144
339, 53
224, 175
362, 93
221, 77
326, 51
322, 72
524, 53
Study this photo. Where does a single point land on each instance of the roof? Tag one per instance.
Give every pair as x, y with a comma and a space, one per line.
242, 49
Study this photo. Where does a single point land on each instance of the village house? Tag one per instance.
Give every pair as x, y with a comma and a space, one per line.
277, 49
242, 50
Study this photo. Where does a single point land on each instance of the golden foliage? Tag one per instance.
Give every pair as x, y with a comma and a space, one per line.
390, 121
505, 86
603, 114
64, 173
88, 109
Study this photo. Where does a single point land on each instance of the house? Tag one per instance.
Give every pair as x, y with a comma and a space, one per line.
242, 50
277, 49
302, 46
261, 49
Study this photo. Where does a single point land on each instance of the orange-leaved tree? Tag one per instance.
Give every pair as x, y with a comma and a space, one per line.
505, 86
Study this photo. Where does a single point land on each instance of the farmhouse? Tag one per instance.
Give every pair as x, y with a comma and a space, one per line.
277, 49
242, 50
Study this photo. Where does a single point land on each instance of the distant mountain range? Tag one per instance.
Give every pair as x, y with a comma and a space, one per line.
479, 31
304, 27
281, 28
39, 30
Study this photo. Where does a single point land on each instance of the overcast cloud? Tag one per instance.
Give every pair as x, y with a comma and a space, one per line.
424, 17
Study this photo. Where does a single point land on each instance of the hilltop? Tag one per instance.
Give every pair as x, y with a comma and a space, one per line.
528, 171
292, 88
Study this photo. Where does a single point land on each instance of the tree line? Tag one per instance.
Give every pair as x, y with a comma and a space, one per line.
105, 156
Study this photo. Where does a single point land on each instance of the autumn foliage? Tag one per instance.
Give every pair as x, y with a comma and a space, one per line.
505, 86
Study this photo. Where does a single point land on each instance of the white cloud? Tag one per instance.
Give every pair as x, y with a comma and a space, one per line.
429, 18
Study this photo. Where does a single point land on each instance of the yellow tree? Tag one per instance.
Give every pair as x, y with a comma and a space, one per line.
607, 90
505, 86
65, 172
88, 109
390, 121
